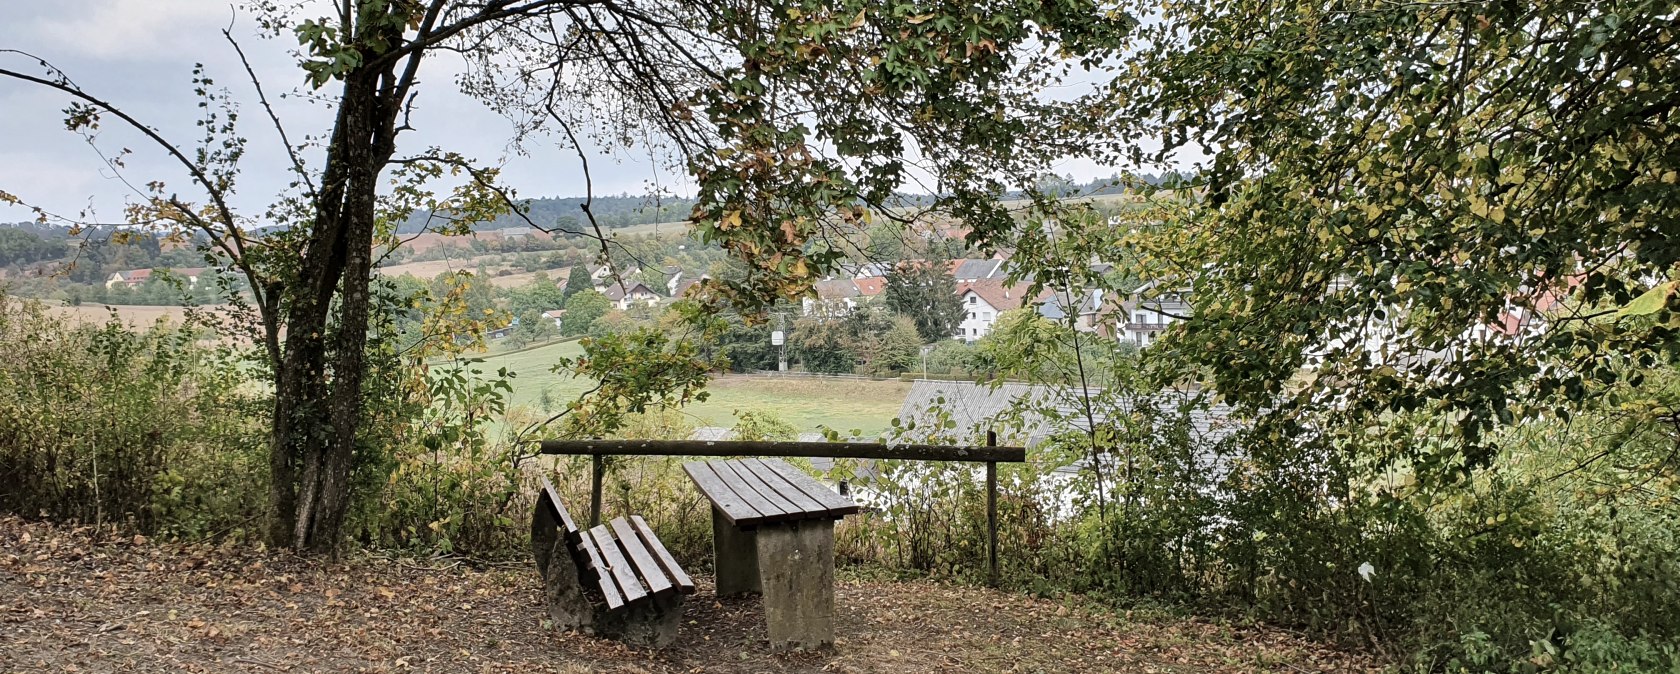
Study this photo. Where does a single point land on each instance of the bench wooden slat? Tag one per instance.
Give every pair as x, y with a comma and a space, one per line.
838, 506
787, 490
734, 508
651, 572
767, 511
745, 478
684, 584
598, 568
616, 563
559, 509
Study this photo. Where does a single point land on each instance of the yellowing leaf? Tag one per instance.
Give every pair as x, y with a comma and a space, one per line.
1649, 303
730, 221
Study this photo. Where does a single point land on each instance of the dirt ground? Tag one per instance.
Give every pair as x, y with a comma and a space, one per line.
71, 602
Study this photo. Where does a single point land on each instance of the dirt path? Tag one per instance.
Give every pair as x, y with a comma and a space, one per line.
70, 603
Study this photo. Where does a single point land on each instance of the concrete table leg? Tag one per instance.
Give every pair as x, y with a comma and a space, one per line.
736, 557
796, 562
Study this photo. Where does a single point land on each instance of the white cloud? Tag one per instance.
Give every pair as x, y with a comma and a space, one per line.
127, 29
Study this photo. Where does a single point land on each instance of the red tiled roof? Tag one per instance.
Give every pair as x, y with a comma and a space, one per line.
870, 286
995, 292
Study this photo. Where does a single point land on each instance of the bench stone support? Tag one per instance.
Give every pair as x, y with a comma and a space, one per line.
796, 565
563, 590
650, 623
737, 558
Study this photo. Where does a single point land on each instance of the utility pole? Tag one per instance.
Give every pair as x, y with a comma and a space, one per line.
778, 339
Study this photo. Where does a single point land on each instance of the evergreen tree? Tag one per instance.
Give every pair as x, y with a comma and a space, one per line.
926, 292
577, 281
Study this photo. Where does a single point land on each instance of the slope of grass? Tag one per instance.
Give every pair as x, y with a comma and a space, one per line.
806, 403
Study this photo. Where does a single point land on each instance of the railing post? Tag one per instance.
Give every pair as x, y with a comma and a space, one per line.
599, 471
991, 513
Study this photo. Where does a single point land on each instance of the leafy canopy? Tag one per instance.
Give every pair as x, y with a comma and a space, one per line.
1436, 207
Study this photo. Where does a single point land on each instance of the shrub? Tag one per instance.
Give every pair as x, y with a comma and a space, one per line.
148, 429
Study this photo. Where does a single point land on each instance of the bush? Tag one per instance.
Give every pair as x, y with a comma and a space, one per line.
147, 429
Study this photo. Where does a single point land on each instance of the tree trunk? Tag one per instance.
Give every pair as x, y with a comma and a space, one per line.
317, 410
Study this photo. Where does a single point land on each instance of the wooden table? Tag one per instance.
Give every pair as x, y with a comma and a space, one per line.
773, 532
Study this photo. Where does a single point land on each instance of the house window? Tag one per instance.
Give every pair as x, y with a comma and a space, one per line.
972, 299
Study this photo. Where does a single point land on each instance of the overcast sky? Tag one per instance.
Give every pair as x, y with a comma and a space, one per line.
139, 55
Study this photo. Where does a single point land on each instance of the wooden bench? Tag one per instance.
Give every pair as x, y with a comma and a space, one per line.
614, 580
773, 534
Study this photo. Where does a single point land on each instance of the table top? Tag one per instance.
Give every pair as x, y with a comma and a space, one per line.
752, 492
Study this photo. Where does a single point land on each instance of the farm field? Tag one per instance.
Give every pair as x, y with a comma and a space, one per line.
841, 404
525, 278
678, 227
431, 268
133, 315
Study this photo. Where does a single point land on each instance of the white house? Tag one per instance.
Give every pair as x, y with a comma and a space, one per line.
637, 293
673, 280
555, 315
602, 276
983, 301
833, 297
1149, 311
687, 285
968, 271
135, 277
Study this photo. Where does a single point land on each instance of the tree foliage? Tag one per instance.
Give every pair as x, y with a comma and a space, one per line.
795, 120
582, 310
577, 281
922, 291
1434, 207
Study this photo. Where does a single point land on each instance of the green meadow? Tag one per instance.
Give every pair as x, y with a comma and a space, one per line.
841, 404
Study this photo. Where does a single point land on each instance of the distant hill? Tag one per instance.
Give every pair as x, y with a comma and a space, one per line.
612, 212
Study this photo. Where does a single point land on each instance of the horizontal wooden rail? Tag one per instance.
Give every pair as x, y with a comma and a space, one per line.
838, 450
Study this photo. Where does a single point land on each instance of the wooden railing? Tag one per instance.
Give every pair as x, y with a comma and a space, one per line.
989, 454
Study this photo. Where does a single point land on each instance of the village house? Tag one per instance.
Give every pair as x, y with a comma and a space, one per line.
833, 297
637, 293
865, 270
555, 315
133, 278
672, 279
1149, 311
840, 297
983, 301
602, 276
870, 287
968, 271
687, 286
502, 332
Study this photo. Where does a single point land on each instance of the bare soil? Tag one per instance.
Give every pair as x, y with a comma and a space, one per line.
71, 601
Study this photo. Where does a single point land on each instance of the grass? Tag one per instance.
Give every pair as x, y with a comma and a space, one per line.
841, 404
